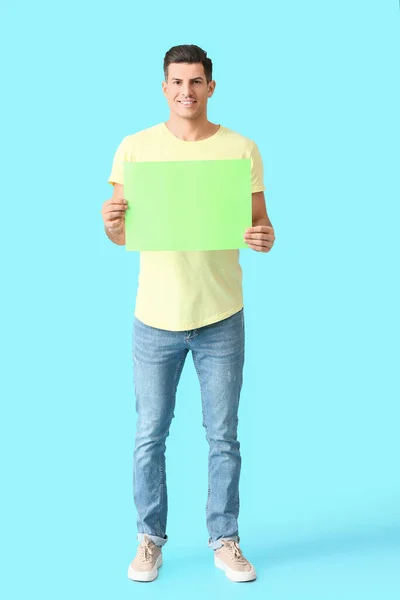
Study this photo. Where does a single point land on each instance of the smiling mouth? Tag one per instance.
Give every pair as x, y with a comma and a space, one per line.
190, 103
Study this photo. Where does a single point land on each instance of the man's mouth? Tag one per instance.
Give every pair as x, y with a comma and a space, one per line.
187, 102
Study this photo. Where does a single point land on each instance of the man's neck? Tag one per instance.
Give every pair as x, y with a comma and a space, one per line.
191, 130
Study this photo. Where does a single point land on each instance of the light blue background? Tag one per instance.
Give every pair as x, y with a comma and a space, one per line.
315, 84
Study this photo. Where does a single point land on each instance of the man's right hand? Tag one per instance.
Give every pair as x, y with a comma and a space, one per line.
113, 213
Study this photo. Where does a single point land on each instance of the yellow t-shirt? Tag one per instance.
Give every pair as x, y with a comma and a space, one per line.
179, 291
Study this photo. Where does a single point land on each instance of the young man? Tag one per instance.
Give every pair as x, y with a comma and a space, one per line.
188, 301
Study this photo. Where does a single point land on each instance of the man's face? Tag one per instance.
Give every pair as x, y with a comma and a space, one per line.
187, 82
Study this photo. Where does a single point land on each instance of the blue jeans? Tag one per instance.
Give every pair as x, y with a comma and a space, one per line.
158, 359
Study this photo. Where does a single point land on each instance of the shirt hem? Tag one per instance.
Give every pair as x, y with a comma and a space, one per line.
194, 324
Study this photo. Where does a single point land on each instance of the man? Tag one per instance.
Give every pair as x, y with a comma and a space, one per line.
188, 301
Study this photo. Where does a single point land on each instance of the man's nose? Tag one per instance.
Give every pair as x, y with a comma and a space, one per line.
186, 89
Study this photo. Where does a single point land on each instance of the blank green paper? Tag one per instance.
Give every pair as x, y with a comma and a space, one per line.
187, 205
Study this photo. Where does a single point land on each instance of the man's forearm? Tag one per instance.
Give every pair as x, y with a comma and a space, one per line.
117, 238
262, 221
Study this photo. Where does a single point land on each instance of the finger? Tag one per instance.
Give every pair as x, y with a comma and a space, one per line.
260, 228
258, 245
114, 224
119, 220
116, 207
256, 248
114, 201
117, 200
116, 211
259, 248
114, 216
259, 236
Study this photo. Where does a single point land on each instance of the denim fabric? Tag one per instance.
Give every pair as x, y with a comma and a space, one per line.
158, 359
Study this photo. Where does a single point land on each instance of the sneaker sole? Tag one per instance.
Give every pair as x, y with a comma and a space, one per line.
235, 575
145, 575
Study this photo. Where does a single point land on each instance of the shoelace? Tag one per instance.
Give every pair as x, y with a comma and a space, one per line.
145, 550
234, 550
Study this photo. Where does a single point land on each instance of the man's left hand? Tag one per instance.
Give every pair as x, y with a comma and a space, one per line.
260, 238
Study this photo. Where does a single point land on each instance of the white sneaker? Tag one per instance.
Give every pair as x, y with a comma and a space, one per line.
147, 561
230, 559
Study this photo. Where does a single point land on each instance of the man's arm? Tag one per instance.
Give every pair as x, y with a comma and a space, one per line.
116, 233
261, 235
259, 209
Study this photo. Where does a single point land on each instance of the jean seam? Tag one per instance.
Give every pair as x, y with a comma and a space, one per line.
205, 426
176, 377
175, 385
158, 528
237, 414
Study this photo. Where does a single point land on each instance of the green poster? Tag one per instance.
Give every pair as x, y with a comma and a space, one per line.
187, 205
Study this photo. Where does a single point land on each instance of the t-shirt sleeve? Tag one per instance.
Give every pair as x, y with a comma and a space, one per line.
257, 171
122, 154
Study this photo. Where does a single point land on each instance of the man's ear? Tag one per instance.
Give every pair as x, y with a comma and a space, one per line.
211, 88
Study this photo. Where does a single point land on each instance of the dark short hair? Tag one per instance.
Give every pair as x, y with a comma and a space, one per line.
188, 53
